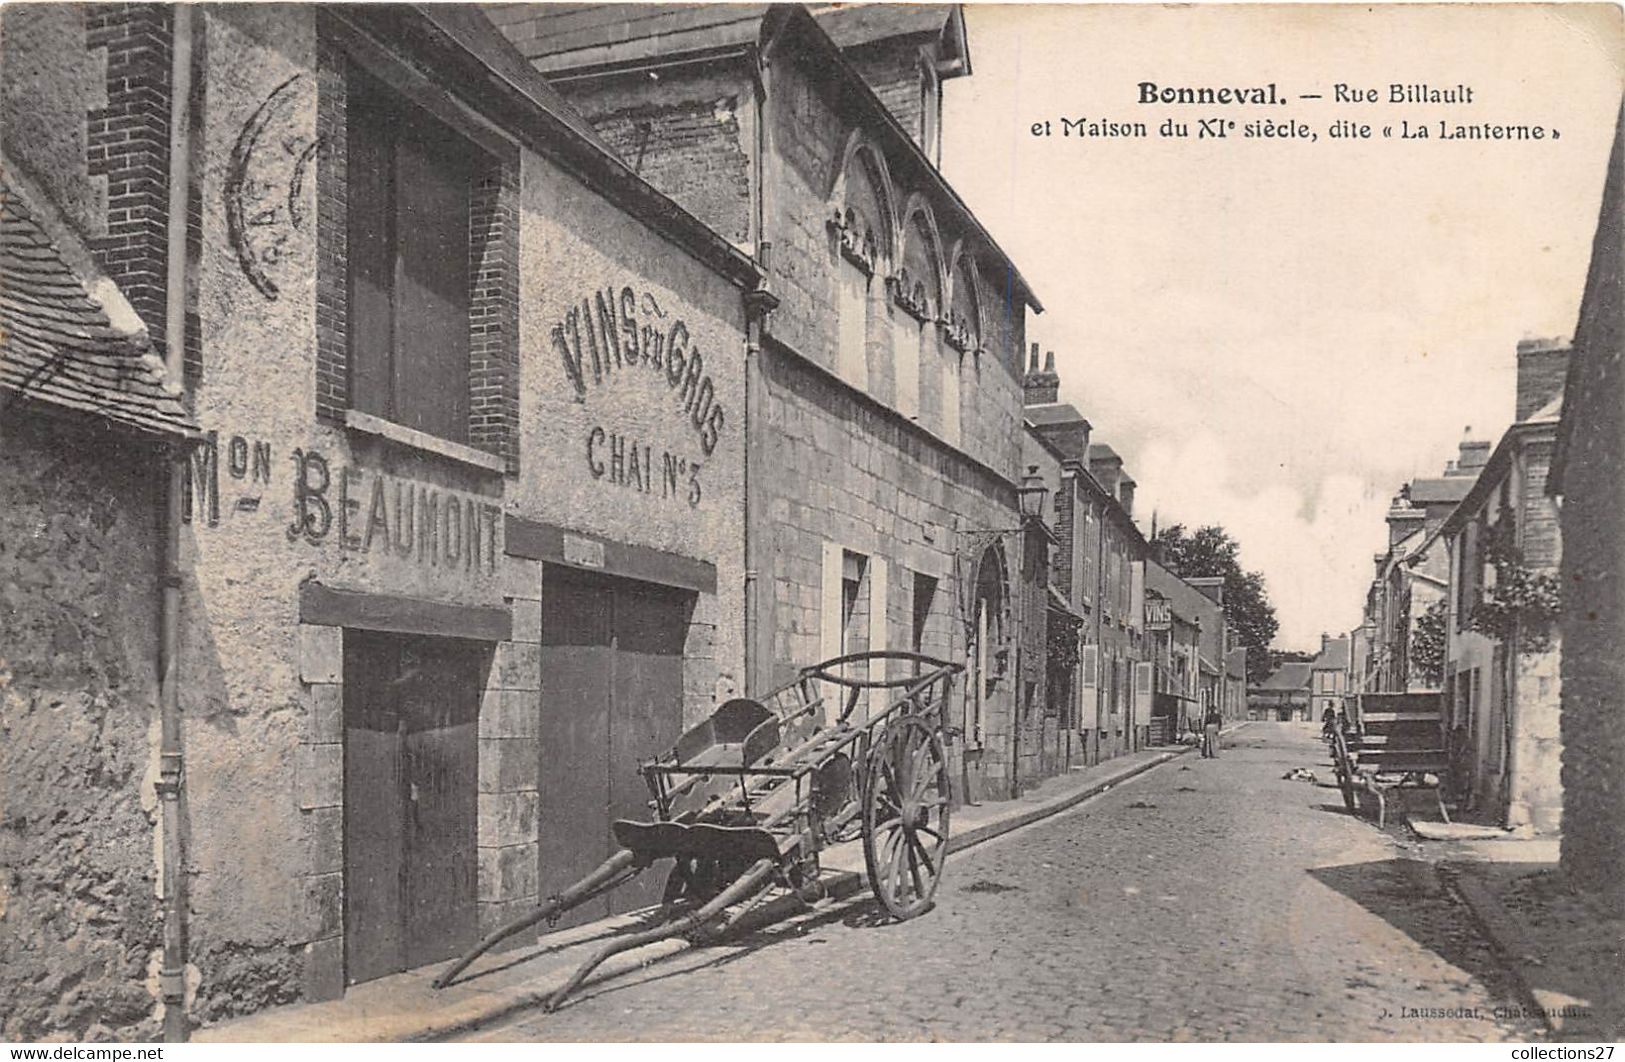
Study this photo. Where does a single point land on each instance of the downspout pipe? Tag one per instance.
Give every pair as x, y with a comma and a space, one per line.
171, 760
759, 302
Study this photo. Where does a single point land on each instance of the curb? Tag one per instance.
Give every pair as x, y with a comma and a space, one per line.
838, 885
989, 830
1511, 946
483, 1009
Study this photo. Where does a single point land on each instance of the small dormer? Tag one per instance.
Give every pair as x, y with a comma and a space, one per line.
904, 53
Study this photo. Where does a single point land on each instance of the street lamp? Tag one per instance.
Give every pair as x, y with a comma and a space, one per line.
1031, 494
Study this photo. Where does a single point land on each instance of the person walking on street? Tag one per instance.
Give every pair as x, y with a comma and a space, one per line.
1210, 733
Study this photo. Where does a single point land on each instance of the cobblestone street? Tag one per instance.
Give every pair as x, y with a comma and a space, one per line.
1204, 900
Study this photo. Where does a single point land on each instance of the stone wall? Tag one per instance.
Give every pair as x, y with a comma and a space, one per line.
1593, 621
839, 472
79, 566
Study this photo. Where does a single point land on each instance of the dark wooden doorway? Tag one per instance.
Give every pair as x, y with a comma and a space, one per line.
612, 696
411, 719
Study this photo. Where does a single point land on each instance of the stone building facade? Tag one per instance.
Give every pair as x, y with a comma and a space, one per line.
1100, 570
1502, 680
1586, 474
91, 427
884, 396
472, 407
1411, 576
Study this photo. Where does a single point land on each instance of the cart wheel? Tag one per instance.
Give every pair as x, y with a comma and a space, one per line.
1345, 774
905, 816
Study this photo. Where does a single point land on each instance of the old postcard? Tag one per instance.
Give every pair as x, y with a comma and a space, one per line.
739, 522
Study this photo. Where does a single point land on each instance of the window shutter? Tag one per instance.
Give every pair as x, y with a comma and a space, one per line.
829, 626
431, 288
1142, 692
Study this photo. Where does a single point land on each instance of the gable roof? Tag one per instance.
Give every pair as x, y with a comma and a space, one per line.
1334, 657
1291, 675
59, 341
1046, 413
1443, 490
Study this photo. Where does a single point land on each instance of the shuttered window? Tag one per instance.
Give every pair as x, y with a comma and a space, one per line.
410, 181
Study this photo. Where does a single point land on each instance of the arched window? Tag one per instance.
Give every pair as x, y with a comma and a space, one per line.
916, 295
961, 340
986, 651
861, 227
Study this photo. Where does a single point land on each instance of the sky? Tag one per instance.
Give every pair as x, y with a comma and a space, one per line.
1278, 334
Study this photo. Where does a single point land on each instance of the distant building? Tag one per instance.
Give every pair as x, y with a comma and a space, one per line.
1283, 696
1100, 569
1586, 473
1329, 672
1502, 681
1408, 579
1186, 633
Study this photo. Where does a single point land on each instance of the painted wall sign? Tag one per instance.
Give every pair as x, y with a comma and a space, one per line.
609, 333
265, 185
372, 512
247, 460
626, 462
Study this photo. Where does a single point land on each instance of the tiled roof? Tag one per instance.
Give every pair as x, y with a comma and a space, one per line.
1334, 657
1289, 676
564, 36
1444, 489
1052, 413
57, 344
1102, 452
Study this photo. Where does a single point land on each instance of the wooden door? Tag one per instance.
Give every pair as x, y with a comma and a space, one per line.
646, 718
411, 709
439, 706
577, 649
612, 694
374, 827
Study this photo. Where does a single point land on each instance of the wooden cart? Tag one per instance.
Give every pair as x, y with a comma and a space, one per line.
749, 797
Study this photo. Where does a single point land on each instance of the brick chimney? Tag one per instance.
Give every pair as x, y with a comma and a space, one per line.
1475, 454
1125, 493
1403, 517
1041, 388
1542, 365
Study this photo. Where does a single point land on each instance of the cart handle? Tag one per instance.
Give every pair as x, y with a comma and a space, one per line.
823, 670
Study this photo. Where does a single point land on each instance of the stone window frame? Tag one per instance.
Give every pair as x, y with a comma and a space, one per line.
870, 253
493, 361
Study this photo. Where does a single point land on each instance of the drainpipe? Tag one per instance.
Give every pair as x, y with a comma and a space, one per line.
172, 974
759, 302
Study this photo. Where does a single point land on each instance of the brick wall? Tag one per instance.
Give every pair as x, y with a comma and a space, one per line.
332, 261
685, 134
809, 134
493, 313
892, 69
1593, 621
691, 150
128, 145
1541, 367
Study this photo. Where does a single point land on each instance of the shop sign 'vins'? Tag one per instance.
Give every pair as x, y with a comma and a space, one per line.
613, 333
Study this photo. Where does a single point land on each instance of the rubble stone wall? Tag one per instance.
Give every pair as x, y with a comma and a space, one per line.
79, 558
